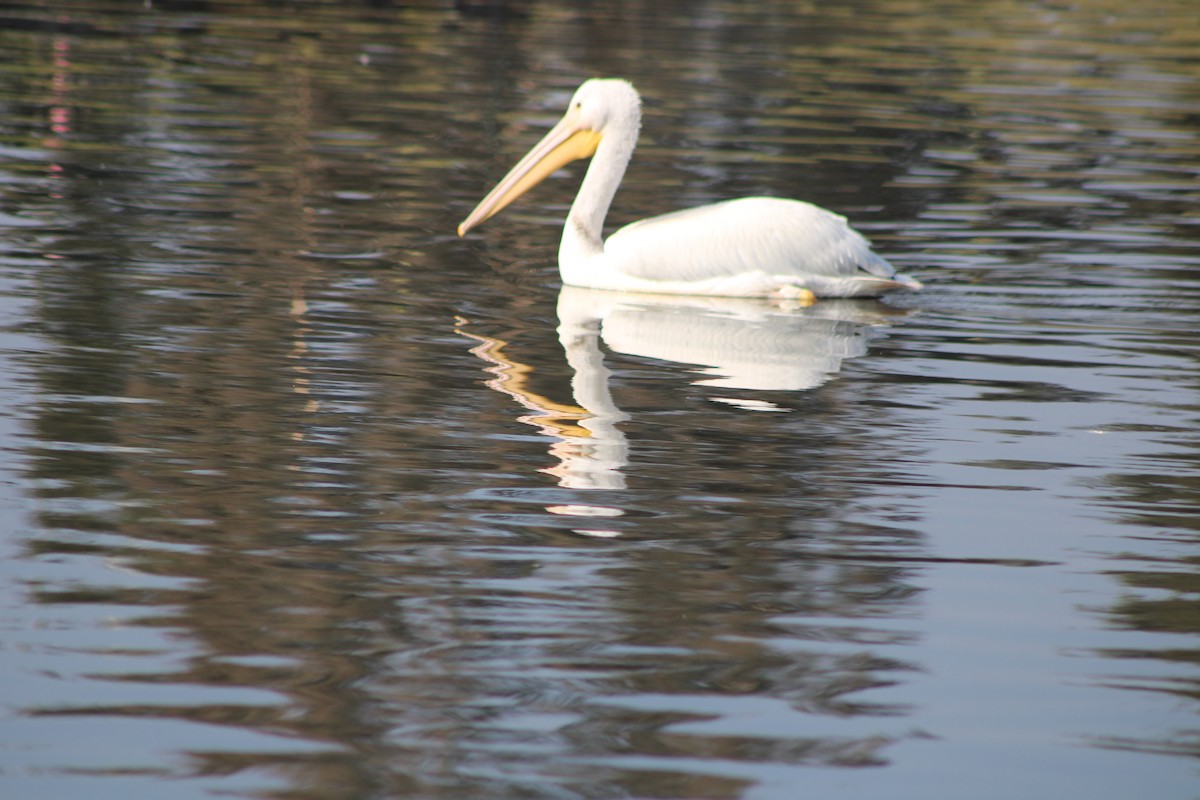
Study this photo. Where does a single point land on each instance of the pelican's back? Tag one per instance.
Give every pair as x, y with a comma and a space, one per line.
812, 247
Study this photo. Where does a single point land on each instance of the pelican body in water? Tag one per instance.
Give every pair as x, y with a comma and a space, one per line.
751, 247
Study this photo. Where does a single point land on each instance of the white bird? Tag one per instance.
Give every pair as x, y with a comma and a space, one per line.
751, 247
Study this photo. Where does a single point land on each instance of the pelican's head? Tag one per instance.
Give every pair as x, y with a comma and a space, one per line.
603, 103
600, 107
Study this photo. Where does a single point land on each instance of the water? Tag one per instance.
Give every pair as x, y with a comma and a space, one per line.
303, 496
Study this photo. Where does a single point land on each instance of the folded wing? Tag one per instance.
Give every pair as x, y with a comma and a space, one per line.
771, 235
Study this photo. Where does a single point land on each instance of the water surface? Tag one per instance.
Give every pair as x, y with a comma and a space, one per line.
303, 496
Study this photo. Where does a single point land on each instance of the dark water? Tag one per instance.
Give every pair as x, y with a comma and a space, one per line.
302, 496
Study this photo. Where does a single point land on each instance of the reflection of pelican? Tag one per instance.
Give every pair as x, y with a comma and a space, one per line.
753, 247
740, 343
737, 343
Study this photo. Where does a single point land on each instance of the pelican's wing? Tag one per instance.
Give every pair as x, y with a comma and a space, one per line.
753, 234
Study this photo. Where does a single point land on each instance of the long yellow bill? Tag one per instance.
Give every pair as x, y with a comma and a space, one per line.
567, 141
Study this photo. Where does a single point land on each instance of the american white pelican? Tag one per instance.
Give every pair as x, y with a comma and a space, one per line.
752, 247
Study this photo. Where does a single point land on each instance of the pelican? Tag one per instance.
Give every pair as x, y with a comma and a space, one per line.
750, 247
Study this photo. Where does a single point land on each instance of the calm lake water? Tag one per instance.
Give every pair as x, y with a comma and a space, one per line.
302, 496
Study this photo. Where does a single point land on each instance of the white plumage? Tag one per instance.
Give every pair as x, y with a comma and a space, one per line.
752, 247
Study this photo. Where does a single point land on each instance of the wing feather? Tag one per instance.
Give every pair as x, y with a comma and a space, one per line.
771, 235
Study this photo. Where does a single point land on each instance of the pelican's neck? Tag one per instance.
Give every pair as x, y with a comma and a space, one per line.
582, 234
